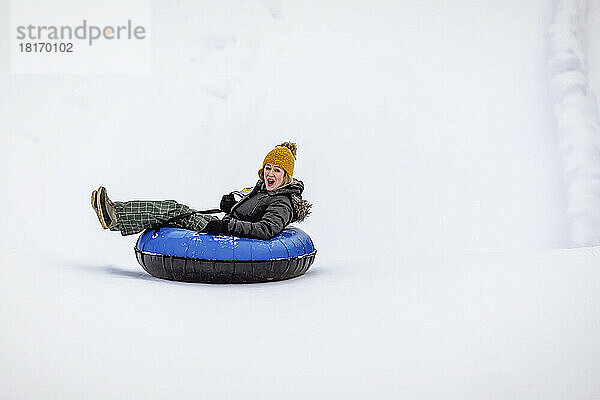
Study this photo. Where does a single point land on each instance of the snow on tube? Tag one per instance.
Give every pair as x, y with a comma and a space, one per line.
189, 256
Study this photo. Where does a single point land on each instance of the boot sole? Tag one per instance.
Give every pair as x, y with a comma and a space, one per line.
95, 207
102, 211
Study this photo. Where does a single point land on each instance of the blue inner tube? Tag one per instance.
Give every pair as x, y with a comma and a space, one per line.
184, 255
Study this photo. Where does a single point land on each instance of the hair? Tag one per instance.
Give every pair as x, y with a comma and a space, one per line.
286, 177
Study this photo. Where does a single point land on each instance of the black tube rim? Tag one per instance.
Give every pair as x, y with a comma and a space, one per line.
187, 269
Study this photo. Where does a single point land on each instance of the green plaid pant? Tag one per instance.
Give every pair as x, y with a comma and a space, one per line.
138, 215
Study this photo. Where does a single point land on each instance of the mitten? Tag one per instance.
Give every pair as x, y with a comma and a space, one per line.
227, 202
217, 227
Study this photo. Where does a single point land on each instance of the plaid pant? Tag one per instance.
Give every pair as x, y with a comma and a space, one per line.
138, 215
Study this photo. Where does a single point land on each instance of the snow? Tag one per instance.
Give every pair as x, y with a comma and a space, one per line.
429, 146
578, 120
518, 325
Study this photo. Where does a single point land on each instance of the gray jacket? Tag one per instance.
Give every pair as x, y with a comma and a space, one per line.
263, 214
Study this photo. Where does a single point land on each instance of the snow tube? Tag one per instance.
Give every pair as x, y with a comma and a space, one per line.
189, 256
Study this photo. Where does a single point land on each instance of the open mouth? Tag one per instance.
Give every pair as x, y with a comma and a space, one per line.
270, 182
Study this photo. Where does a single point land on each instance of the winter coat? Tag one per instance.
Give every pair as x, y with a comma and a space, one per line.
263, 214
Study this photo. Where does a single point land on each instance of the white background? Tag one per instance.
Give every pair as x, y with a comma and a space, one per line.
428, 147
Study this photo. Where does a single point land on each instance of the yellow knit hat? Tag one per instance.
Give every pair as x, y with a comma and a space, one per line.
282, 155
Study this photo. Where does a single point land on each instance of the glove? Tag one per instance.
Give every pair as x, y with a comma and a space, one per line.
217, 227
227, 202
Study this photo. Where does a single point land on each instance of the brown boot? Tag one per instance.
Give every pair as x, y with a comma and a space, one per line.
94, 200
104, 207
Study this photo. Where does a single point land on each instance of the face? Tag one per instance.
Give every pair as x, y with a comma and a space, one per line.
273, 176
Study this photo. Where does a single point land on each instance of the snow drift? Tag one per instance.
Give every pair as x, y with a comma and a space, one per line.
576, 111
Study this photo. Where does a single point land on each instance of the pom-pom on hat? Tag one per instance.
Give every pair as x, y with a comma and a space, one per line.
282, 155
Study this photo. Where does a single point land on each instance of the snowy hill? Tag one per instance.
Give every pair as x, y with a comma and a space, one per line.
427, 142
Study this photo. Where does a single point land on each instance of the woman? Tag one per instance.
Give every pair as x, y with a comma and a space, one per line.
274, 202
